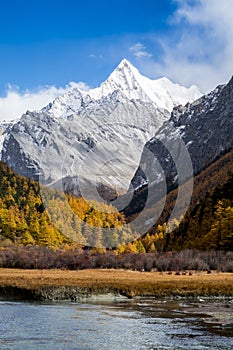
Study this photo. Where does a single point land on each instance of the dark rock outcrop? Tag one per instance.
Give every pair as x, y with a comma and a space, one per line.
203, 129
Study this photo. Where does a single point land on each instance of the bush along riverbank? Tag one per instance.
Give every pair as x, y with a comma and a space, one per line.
35, 257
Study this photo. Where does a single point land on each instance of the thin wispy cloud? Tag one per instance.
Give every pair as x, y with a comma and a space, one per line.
199, 47
15, 103
139, 51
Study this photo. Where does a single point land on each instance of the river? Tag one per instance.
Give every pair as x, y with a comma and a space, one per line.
129, 325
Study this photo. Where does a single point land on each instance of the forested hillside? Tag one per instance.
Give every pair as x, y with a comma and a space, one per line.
207, 225
24, 220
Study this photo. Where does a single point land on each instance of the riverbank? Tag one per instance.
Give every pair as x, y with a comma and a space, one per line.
78, 285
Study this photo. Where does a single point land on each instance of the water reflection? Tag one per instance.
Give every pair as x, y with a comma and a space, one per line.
134, 325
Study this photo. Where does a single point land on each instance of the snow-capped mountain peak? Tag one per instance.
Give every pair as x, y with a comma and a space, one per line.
134, 86
113, 121
127, 79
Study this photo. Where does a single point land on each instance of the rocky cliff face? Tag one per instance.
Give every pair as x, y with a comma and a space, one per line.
203, 127
93, 139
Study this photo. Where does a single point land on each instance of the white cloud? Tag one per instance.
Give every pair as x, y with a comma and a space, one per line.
139, 51
199, 48
15, 103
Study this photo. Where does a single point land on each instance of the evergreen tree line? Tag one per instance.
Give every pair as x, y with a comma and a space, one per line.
209, 225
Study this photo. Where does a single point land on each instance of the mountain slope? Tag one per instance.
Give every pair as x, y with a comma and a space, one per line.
195, 136
162, 92
211, 207
93, 140
204, 128
208, 222
27, 219
23, 219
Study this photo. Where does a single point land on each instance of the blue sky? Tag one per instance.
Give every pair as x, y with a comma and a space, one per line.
57, 41
45, 45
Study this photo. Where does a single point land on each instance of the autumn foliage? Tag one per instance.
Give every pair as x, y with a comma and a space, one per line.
64, 223
57, 220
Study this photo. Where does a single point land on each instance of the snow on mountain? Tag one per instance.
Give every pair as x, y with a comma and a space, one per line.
5, 127
127, 79
205, 128
162, 92
96, 136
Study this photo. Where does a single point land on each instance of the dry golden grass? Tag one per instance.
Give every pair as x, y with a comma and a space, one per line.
130, 283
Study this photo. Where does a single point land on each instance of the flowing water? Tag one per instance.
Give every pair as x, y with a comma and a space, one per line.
129, 325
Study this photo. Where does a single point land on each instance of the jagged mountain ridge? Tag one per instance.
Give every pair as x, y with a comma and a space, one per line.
99, 133
205, 128
135, 86
126, 79
195, 136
